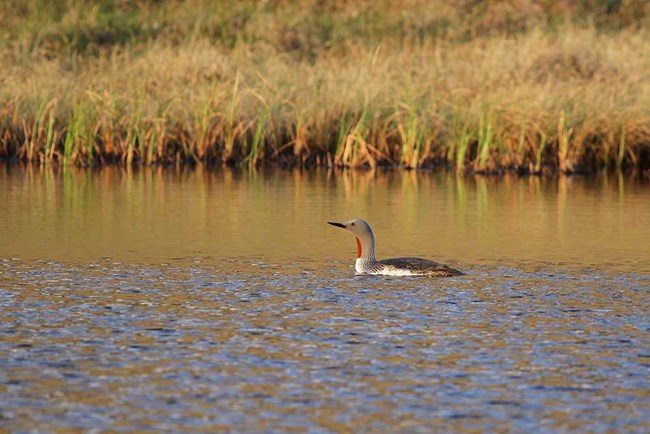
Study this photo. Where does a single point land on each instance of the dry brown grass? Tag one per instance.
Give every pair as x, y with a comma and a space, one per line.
483, 89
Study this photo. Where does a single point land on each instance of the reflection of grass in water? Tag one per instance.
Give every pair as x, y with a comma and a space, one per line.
346, 84
482, 198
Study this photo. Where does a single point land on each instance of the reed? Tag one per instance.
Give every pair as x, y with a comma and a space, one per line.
539, 151
563, 136
621, 150
485, 138
481, 86
255, 154
412, 133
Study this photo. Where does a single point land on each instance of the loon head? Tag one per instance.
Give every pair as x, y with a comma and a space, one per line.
357, 226
364, 235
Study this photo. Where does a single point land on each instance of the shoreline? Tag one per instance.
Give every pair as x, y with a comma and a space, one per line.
633, 174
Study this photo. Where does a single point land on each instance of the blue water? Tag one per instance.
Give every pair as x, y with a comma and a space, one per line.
202, 344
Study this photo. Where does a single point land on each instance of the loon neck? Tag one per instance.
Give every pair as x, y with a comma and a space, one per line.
366, 247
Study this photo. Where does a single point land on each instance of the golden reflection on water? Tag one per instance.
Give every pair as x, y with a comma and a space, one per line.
215, 300
156, 214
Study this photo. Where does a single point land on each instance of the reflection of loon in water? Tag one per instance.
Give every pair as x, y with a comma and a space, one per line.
367, 263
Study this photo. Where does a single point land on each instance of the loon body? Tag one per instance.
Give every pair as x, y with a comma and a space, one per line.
367, 263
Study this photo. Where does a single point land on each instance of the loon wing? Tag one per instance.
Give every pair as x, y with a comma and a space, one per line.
421, 266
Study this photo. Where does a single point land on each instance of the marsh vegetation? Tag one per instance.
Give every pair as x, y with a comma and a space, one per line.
475, 86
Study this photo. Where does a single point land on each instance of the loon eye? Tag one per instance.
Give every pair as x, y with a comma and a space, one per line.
351, 224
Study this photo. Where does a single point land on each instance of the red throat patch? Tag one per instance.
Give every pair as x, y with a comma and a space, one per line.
358, 248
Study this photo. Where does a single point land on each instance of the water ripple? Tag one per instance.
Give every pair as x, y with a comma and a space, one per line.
220, 345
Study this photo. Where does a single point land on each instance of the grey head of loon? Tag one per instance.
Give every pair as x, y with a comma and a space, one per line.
364, 235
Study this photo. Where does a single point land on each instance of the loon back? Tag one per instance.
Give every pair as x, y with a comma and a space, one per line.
419, 267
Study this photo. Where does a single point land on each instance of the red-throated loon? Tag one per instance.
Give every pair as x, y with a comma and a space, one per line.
366, 262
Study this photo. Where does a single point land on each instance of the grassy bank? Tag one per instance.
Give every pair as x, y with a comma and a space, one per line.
483, 86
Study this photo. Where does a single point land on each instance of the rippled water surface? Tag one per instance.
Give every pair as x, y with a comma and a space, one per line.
203, 301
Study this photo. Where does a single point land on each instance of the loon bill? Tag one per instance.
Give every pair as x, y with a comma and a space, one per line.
367, 263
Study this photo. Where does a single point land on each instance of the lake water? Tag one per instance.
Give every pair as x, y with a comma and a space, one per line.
217, 300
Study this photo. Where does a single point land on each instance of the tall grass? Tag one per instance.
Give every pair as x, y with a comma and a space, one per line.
475, 86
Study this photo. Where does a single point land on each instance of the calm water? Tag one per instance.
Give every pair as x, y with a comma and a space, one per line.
203, 301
